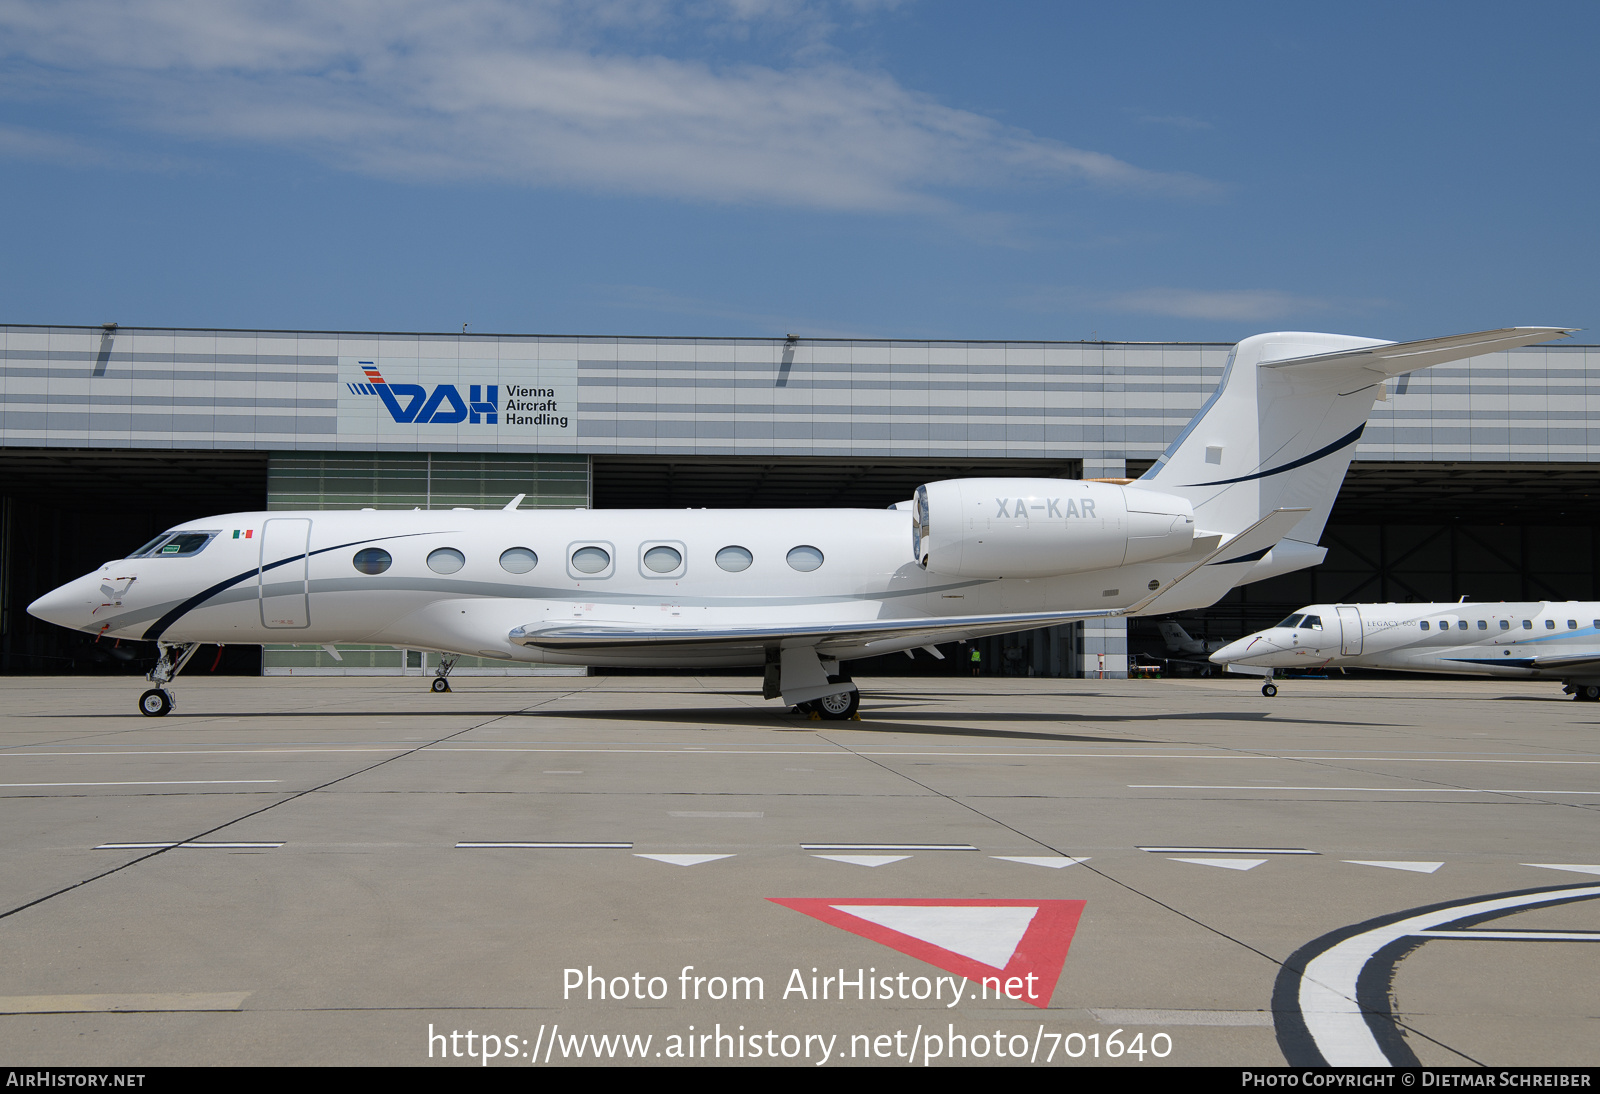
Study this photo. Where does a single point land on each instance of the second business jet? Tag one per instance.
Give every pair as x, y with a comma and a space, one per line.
1533, 641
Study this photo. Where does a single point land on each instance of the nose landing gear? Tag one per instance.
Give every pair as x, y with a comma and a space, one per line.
441, 675
158, 701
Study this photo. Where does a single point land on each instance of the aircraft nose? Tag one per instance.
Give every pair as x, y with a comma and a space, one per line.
68, 606
1239, 649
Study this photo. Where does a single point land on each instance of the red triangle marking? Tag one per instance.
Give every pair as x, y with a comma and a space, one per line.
1041, 951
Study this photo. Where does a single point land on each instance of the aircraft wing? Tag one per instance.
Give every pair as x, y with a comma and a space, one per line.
1555, 662
923, 630
861, 636
1394, 358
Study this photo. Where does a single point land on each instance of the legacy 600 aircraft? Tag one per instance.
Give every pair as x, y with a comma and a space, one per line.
1544, 641
1242, 494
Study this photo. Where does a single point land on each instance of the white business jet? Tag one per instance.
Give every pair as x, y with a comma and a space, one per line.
1543, 641
1242, 494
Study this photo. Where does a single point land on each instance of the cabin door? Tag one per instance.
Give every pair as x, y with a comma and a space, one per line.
283, 577
1350, 631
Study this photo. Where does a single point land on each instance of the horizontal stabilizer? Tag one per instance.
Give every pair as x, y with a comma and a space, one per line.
1394, 358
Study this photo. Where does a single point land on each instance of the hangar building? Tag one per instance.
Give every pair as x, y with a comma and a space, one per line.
1479, 478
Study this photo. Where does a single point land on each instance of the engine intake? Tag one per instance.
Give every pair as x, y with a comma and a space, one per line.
1044, 527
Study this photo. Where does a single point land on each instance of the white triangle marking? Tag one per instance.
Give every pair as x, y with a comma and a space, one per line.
1225, 863
1414, 867
864, 860
1053, 862
989, 935
1574, 867
683, 860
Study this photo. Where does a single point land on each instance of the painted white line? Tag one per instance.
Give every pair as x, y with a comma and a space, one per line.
546, 845
864, 860
887, 847
1229, 851
1328, 986
101, 1004
163, 782
1182, 1017
196, 845
1570, 867
711, 813
1414, 867
683, 860
1361, 789
1514, 936
810, 753
1052, 862
1225, 863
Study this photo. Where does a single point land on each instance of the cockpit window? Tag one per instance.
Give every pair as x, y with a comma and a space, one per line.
175, 545
1292, 621
151, 546
1312, 622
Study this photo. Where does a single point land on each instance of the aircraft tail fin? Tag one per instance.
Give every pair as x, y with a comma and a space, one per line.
1281, 428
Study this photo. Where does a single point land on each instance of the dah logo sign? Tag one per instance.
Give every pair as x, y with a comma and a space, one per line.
443, 407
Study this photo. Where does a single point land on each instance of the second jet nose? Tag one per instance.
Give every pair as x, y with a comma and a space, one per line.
1251, 645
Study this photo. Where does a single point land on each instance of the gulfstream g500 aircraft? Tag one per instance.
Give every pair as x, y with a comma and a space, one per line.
1241, 494
1543, 641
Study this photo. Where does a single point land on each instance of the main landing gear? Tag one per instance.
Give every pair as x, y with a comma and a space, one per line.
441, 675
1584, 693
158, 701
838, 707
1269, 689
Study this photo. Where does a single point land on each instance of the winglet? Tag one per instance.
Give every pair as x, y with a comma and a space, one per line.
513, 503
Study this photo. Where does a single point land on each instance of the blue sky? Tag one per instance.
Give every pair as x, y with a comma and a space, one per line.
915, 169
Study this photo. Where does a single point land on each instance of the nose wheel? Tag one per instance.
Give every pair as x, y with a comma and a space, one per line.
441, 675
155, 703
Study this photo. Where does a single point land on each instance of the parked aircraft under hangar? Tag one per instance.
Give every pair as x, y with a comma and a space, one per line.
1242, 494
1548, 640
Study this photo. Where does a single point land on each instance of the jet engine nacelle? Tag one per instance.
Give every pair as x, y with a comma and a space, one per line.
1044, 527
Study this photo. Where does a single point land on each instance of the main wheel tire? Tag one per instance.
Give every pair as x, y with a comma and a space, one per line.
440, 684
838, 706
1590, 692
155, 703
1269, 690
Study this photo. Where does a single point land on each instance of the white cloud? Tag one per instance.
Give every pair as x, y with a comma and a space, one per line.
537, 93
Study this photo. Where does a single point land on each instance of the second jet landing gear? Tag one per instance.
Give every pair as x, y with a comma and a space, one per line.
1269, 689
158, 700
441, 675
